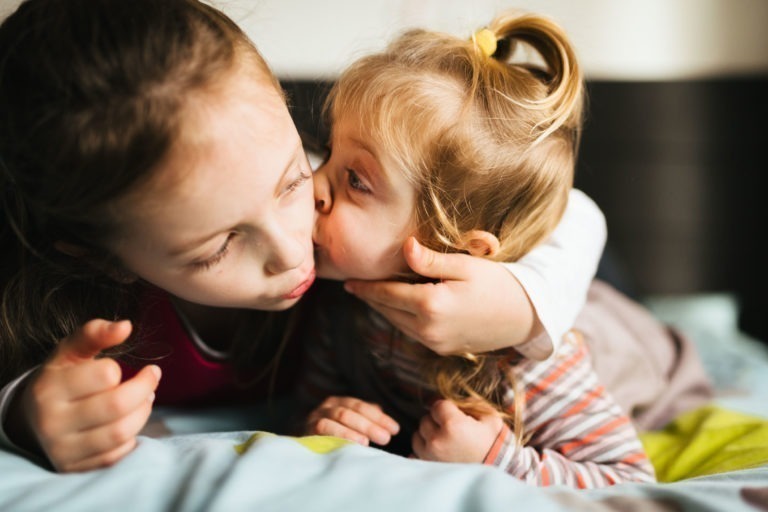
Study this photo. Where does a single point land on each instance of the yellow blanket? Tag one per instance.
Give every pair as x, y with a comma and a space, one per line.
705, 441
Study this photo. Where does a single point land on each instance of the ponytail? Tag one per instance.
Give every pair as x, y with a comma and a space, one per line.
562, 76
490, 143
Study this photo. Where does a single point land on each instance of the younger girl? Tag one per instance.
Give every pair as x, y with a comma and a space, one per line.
150, 171
459, 145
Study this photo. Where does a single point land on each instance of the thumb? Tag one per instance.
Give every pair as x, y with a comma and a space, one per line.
88, 341
437, 265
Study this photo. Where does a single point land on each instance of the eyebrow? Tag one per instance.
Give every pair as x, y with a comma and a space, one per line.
192, 244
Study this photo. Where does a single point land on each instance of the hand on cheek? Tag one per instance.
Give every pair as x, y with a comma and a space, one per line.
476, 306
449, 435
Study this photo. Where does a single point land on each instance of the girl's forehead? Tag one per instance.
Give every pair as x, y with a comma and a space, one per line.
231, 152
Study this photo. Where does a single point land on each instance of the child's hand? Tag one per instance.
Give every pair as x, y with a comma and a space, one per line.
353, 419
79, 412
477, 307
447, 434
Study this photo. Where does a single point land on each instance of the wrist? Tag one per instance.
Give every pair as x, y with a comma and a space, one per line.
495, 452
16, 424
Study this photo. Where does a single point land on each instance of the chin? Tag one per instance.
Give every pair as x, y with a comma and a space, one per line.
280, 304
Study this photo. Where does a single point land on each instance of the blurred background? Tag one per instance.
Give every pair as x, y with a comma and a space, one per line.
675, 144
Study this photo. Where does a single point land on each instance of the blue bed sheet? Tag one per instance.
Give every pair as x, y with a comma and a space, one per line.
233, 470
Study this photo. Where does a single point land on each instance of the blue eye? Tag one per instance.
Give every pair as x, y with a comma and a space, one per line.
356, 183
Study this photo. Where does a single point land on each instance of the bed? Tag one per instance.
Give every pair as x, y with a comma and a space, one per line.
712, 458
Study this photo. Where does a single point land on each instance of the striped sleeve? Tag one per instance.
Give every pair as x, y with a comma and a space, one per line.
580, 437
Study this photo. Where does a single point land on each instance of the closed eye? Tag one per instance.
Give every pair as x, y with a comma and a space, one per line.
295, 184
217, 257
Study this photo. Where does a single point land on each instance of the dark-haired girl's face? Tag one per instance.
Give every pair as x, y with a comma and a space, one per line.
227, 220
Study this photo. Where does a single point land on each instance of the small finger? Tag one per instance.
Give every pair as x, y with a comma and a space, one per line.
372, 413
100, 460
428, 428
88, 341
121, 401
394, 294
360, 423
419, 446
87, 378
105, 438
443, 411
437, 265
329, 427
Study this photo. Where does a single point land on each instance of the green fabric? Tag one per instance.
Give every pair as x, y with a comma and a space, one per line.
705, 441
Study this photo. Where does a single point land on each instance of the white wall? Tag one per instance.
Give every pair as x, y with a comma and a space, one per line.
616, 39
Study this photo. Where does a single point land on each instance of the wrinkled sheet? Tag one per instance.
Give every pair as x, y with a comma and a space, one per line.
235, 470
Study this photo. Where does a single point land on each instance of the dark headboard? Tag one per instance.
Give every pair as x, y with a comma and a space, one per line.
679, 168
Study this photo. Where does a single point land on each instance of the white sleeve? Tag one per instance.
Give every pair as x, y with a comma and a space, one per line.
556, 274
6, 395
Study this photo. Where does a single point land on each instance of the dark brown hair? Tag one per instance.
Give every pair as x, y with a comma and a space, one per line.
91, 97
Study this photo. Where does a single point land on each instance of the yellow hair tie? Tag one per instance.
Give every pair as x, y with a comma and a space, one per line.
486, 41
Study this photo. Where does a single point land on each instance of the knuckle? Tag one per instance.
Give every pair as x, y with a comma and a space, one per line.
108, 372
331, 401
323, 426
343, 415
120, 433
113, 457
451, 428
48, 427
117, 407
57, 457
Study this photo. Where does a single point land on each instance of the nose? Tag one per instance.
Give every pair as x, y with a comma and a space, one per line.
286, 252
323, 192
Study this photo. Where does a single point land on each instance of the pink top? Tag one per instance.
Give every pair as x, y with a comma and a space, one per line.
193, 374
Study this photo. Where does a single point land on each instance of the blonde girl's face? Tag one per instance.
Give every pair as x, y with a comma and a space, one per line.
227, 221
365, 210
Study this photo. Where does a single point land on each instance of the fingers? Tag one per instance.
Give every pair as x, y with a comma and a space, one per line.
328, 427
428, 263
101, 460
103, 445
396, 295
443, 411
105, 438
423, 439
85, 379
88, 341
353, 419
79, 434
113, 404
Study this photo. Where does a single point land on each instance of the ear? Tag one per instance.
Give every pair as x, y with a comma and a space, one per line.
481, 243
115, 272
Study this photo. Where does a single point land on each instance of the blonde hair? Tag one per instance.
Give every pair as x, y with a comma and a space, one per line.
488, 143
